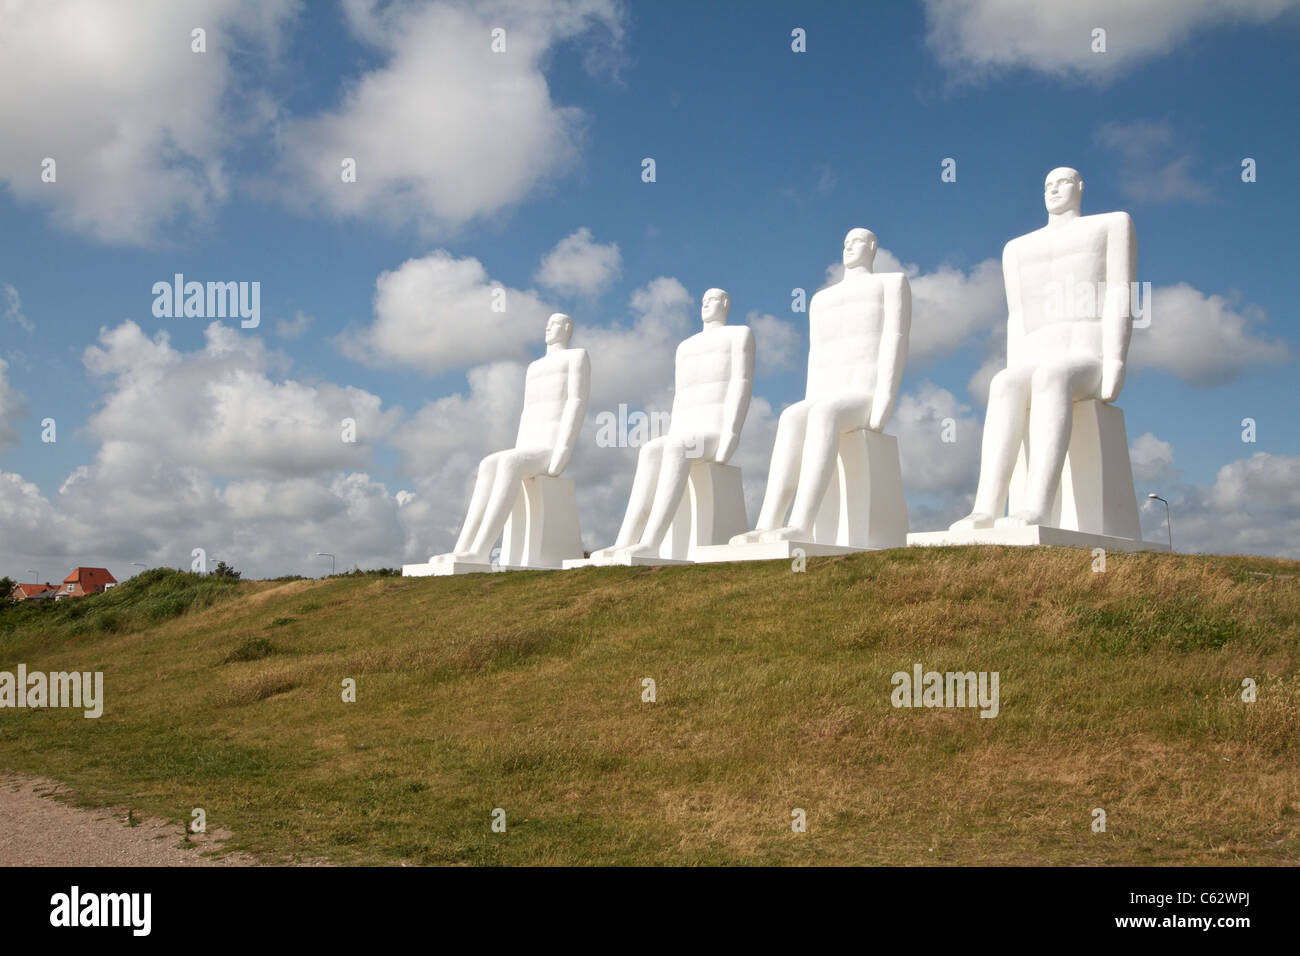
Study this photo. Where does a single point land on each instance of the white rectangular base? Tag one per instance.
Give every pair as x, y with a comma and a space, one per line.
441, 569
650, 561
1030, 535
768, 551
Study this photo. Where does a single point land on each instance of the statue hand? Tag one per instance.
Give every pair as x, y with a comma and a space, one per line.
726, 448
1112, 379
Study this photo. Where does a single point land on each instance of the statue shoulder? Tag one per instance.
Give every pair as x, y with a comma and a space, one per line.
1110, 220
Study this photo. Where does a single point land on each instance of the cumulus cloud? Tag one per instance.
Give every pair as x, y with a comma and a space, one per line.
578, 265
778, 343
139, 126
938, 442
219, 409
975, 39
216, 449
1252, 507
438, 313
1152, 459
1202, 338
445, 130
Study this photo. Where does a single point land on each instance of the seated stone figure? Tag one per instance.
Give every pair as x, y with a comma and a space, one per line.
556, 387
714, 381
1068, 327
858, 330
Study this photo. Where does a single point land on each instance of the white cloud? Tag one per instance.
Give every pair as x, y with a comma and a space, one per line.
294, 328
437, 313
13, 308
12, 408
1151, 168
580, 266
219, 410
978, 38
212, 449
445, 130
138, 124
778, 344
1201, 339
923, 419
1252, 507
1152, 459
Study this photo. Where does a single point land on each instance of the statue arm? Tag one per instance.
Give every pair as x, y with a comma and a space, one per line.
1116, 317
575, 410
893, 351
1015, 313
739, 390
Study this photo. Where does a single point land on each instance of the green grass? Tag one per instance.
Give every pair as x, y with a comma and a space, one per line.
1119, 690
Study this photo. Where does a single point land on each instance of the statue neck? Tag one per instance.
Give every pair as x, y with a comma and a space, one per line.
556, 347
856, 271
1058, 219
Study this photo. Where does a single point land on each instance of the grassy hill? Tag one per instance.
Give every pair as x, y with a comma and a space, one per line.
1119, 690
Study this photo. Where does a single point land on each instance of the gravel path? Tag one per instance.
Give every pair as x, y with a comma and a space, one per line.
38, 830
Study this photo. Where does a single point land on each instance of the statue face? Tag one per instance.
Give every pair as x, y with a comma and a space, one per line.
558, 329
859, 248
714, 306
1062, 190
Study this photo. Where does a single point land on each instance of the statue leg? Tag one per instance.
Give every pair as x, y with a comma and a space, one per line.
783, 473
512, 467
827, 421
487, 470
1055, 389
1004, 430
648, 463
679, 453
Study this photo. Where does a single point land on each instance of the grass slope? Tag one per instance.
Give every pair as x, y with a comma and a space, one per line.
1119, 690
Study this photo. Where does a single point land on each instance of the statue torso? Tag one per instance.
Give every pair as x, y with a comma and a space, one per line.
705, 365
845, 322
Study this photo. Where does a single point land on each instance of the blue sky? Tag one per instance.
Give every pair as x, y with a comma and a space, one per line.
764, 158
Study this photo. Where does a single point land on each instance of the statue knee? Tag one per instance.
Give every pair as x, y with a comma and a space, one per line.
1006, 384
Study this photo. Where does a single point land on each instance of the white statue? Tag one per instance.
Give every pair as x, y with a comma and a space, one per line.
713, 384
858, 331
1068, 328
556, 387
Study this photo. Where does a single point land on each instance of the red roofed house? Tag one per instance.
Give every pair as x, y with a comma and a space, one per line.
24, 592
86, 581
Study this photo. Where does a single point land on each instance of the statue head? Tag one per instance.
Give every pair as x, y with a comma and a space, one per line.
1063, 190
859, 248
715, 306
559, 327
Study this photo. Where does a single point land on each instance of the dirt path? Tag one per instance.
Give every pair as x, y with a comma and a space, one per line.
38, 830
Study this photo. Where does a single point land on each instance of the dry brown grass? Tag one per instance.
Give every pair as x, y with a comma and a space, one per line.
523, 691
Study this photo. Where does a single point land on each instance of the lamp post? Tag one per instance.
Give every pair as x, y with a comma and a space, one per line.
35, 572
1168, 526
326, 554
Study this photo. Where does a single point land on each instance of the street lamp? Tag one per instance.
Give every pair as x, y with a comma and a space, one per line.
326, 554
35, 572
1168, 526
